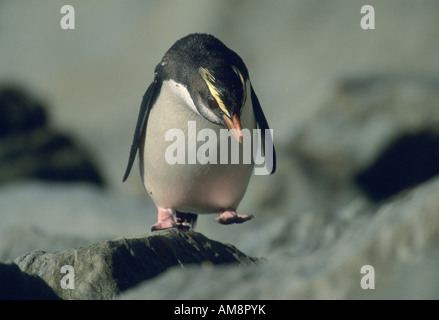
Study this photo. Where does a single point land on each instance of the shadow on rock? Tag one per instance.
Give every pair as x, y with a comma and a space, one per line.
17, 285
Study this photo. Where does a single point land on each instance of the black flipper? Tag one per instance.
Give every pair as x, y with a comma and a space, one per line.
147, 103
262, 123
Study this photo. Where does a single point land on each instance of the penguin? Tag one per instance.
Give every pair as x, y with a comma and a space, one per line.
201, 90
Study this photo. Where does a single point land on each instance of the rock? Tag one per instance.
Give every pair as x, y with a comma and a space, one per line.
30, 148
368, 118
103, 270
398, 239
408, 161
17, 285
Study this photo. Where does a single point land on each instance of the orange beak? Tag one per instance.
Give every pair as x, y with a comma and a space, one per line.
234, 126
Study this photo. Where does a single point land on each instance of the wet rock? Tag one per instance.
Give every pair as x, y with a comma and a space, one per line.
105, 269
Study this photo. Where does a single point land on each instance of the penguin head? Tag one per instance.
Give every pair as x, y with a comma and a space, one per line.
214, 76
225, 96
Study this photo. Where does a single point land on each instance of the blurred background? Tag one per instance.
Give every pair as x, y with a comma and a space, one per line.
337, 97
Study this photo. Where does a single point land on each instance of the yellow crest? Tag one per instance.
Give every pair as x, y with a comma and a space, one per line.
244, 87
210, 80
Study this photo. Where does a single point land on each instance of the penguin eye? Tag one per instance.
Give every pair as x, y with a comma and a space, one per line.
212, 102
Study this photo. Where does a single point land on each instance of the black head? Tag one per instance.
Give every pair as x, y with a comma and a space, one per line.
215, 77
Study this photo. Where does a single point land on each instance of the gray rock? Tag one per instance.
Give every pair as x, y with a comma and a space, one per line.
105, 269
398, 239
368, 118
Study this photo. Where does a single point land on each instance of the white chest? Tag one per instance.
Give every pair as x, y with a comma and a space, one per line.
192, 186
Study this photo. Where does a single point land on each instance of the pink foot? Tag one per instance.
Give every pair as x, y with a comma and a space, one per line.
230, 216
166, 220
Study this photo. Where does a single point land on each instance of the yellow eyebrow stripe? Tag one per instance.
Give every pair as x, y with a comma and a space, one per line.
244, 87
210, 79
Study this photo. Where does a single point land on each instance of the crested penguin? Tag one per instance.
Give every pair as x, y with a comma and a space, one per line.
200, 90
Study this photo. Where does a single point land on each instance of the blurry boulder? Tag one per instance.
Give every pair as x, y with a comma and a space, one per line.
30, 148
379, 134
19, 113
397, 241
408, 161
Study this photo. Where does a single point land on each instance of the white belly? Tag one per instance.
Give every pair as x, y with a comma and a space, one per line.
195, 188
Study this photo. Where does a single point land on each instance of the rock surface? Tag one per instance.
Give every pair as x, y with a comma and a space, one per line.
105, 269
398, 239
